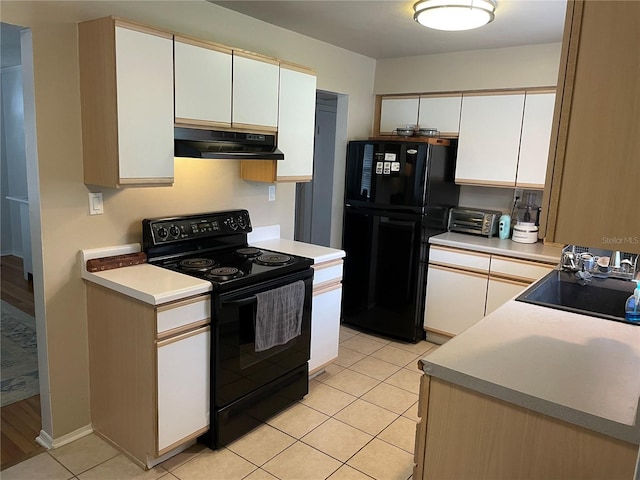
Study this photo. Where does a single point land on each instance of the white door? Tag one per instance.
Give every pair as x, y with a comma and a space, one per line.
534, 144
398, 112
442, 113
144, 71
455, 299
296, 122
183, 386
255, 92
202, 84
325, 328
500, 291
489, 139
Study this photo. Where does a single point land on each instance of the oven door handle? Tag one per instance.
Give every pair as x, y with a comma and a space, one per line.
242, 302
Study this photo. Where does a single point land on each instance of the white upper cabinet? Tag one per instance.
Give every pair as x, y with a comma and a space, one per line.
489, 141
255, 92
442, 113
296, 123
126, 84
202, 83
534, 142
398, 112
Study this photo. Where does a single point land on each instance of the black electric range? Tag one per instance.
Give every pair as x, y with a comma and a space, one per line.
249, 383
213, 246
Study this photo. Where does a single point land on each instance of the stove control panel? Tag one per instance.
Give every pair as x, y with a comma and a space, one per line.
162, 231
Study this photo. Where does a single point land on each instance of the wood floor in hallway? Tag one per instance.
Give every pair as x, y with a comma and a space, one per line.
20, 421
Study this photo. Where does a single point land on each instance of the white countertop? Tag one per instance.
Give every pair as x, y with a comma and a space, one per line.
150, 284
144, 282
318, 253
508, 248
157, 285
268, 237
577, 368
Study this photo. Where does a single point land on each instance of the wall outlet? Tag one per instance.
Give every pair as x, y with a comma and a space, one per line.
96, 207
272, 193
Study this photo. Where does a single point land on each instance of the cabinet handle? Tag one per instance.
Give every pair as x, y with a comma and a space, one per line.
466, 271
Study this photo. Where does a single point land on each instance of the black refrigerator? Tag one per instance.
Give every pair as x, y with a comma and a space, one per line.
397, 195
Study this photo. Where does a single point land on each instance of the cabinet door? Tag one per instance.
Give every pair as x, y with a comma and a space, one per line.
596, 164
500, 291
325, 327
455, 299
296, 123
144, 78
489, 139
255, 92
442, 113
202, 84
534, 141
183, 387
398, 112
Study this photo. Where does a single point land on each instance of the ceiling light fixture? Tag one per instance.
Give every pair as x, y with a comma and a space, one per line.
454, 15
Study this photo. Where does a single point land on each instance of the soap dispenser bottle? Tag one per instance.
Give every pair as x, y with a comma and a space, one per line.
632, 307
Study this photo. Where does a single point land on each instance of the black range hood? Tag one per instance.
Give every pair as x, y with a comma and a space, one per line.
220, 144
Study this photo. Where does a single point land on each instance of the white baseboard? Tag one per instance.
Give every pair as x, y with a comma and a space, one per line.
48, 442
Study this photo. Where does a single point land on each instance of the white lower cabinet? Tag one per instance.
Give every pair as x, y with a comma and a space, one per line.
183, 387
500, 291
325, 314
455, 299
464, 286
149, 372
325, 327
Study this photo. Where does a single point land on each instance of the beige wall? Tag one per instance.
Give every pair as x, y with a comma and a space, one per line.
200, 185
514, 67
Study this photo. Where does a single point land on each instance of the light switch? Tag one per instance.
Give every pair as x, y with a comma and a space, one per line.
96, 206
272, 193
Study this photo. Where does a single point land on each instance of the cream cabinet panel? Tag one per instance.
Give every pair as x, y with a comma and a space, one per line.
455, 299
255, 92
398, 112
144, 70
500, 291
489, 139
202, 84
183, 313
451, 256
183, 387
523, 270
126, 97
534, 142
325, 327
442, 113
296, 124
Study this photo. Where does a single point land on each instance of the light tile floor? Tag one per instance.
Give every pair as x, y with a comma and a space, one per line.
357, 422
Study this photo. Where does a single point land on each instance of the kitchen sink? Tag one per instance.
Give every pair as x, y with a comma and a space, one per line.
602, 297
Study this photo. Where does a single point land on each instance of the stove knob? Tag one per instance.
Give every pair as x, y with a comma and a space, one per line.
241, 223
174, 231
162, 233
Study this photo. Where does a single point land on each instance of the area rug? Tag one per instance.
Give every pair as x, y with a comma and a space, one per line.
19, 355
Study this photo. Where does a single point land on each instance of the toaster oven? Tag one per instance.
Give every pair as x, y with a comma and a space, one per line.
474, 221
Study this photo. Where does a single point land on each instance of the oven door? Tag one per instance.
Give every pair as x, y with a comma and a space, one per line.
237, 368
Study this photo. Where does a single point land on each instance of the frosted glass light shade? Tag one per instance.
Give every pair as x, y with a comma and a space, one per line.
454, 15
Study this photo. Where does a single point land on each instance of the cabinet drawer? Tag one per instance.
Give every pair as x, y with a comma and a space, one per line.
519, 269
473, 261
183, 313
324, 272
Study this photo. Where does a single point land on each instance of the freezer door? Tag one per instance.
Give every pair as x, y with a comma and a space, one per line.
387, 174
384, 272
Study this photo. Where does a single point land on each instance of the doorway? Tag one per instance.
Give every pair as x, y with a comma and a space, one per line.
314, 199
22, 292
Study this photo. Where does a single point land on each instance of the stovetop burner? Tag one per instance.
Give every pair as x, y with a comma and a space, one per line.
249, 252
272, 259
222, 274
196, 264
